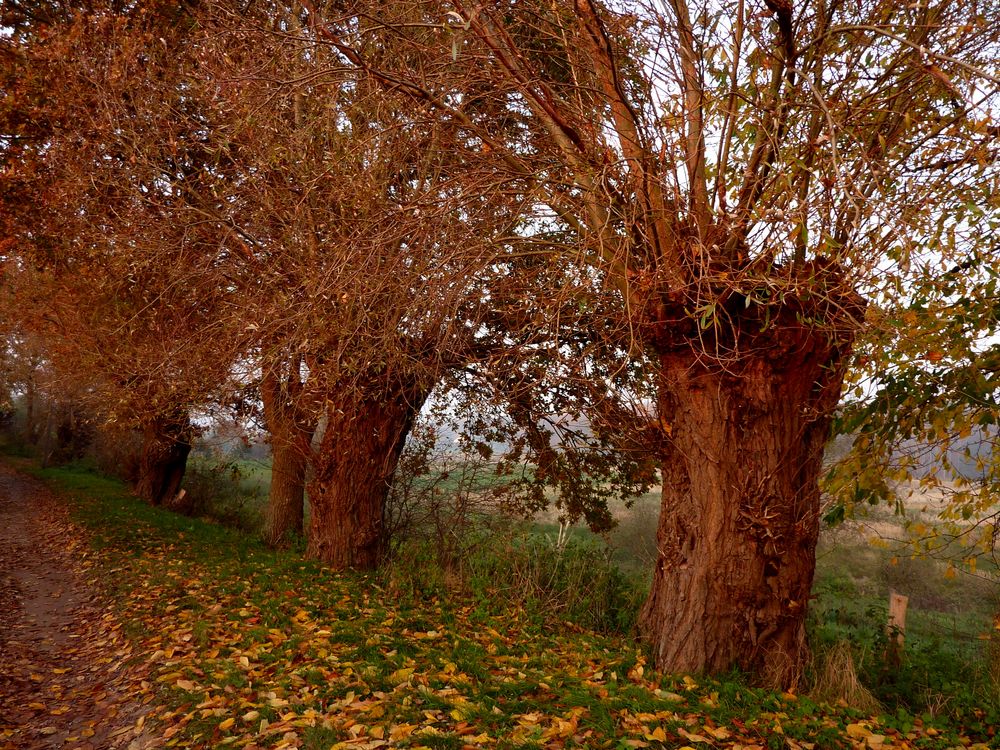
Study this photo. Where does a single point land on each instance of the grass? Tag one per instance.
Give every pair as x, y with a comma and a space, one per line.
254, 648
949, 666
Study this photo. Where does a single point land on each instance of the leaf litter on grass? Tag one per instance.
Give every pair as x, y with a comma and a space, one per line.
254, 649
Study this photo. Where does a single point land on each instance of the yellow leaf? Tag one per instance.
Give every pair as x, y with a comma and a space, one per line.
692, 737
858, 731
401, 675
399, 731
668, 696
378, 732
185, 685
227, 724
658, 735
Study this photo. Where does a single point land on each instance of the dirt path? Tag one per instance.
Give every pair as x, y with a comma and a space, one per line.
65, 674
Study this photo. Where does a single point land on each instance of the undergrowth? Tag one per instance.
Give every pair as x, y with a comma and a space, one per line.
576, 582
947, 667
949, 670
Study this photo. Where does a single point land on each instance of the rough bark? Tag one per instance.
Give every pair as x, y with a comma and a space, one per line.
741, 457
353, 470
166, 444
291, 434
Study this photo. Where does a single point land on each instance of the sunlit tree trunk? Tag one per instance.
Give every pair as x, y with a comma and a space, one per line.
739, 519
291, 435
166, 444
743, 432
353, 470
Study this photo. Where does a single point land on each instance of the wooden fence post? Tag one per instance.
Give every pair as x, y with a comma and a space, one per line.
896, 626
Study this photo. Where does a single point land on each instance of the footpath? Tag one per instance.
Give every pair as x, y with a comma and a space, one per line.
67, 673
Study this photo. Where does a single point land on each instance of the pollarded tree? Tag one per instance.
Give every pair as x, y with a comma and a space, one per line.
314, 231
758, 175
135, 330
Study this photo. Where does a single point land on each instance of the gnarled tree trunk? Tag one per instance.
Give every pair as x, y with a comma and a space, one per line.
166, 444
739, 520
353, 469
291, 434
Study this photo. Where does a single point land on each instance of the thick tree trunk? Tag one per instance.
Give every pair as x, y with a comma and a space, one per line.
742, 453
166, 443
286, 496
29, 417
291, 435
357, 457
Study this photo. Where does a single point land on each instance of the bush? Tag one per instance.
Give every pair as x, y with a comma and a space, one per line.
508, 566
216, 490
116, 453
439, 500
450, 529
576, 582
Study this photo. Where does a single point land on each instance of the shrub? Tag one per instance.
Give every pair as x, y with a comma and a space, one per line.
507, 565
116, 453
575, 581
216, 490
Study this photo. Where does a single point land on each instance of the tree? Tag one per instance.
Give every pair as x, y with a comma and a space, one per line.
135, 330
757, 172
929, 418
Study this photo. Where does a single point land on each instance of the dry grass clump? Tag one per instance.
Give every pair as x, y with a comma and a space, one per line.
836, 680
